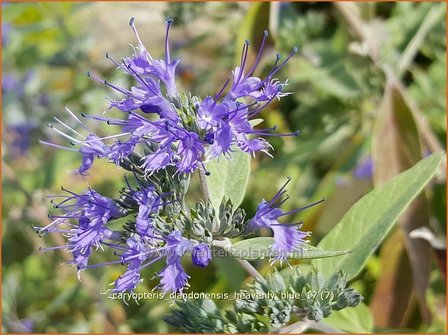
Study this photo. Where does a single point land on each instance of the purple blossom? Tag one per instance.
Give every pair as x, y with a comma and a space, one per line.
149, 202
209, 115
121, 150
246, 85
92, 211
177, 130
201, 255
148, 73
173, 276
176, 146
229, 118
135, 254
6, 32
89, 146
92, 147
157, 160
130, 279
16, 84
21, 138
224, 118
364, 169
139, 254
287, 236
190, 151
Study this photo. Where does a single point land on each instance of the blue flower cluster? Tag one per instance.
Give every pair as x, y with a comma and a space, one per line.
165, 129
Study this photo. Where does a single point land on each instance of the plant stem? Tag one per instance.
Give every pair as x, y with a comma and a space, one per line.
252, 270
226, 244
204, 187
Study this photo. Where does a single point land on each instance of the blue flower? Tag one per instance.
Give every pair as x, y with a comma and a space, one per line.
190, 150
228, 119
119, 151
246, 85
201, 255
89, 146
173, 276
139, 254
135, 254
364, 169
129, 280
92, 211
287, 236
148, 73
149, 203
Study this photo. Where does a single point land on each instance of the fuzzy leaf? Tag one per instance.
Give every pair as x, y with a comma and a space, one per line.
228, 178
353, 320
366, 224
260, 248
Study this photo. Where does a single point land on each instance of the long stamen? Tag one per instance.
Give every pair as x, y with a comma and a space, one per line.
233, 113
260, 51
113, 245
256, 111
44, 230
167, 48
116, 63
57, 146
102, 264
68, 127
128, 184
63, 134
52, 248
261, 133
143, 119
59, 205
243, 60
293, 52
139, 182
303, 208
66, 216
80, 196
280, 192
151, 262
109, 121
274, 70
106, 138
61, 231
293, 224
278, 205
105, 82
132, 24
206, 172
218, 95
139, 78
76, 118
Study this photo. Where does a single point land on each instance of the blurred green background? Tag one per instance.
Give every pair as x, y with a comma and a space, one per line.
369, 89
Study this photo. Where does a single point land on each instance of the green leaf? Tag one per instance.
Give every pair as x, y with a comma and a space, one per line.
395, 148
353, 320
228, 178
260, 248
366, 224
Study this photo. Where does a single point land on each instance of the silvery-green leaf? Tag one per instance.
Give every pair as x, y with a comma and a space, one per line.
260, 248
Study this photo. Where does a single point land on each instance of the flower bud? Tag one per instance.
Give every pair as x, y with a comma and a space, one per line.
201, 255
